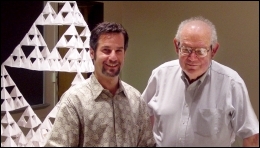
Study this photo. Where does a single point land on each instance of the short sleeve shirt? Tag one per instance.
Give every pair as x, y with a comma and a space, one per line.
90, 116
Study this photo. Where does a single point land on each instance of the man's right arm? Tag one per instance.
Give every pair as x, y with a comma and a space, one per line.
152, 120
252, 141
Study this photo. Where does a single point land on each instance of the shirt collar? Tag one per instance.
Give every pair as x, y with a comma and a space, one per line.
98, 88
199, 81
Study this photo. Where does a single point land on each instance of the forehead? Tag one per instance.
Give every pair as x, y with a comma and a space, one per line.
109, 36
113, 40
195, 32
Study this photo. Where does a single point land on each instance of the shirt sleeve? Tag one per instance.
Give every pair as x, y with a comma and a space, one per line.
65, 130
244, 118
145, 138
150, 92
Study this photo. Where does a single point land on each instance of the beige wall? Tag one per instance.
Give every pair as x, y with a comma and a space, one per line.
152, 27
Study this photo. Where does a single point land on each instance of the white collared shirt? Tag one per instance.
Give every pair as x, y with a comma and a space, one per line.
209, 112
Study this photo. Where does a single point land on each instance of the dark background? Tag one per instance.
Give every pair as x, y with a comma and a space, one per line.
17, 17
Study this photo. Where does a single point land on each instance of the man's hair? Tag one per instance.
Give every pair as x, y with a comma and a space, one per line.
104, 28
214, 37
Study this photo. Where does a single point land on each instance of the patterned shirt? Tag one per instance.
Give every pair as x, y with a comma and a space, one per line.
90, 116
209, 112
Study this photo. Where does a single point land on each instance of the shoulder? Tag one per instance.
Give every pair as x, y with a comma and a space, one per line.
74, 91
226, 71
173, 63
170, 67
130, 90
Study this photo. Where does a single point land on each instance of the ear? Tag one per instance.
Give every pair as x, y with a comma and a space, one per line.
214, 50
176, 42
91, 53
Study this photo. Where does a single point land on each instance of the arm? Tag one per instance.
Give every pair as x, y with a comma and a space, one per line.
65, 130
152, 120
252, 141
145, 138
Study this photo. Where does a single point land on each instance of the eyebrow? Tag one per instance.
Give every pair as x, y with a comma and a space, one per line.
102, 47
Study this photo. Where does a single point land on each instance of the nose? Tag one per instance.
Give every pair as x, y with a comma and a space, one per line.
113, 56
192, 56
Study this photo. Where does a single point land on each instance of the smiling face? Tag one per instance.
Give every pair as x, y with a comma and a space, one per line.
109, 56
195, 34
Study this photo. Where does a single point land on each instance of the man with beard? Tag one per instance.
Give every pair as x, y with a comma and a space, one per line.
103, 110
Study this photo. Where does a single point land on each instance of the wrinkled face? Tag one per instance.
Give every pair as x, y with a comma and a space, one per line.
109, 56
195, 35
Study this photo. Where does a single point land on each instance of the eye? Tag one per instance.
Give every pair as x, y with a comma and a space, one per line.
201, 51
106, 50
185, 50
119, 50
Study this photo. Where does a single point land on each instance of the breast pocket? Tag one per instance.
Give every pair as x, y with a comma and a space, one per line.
209, 122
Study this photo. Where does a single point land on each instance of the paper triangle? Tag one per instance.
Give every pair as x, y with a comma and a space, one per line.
9, 81
28, 112
9, 142
30, 134
45, 52
23, 101
33, 30
65, 66
55, 65
49, 19
18, 51
71, 30
45, 65
40, 20
21, 140
73, 54
8, 131
7, 118
66, 7
3, 71
62, 42
11, 103
31, 123
48, 9
16, 129
4, 83
5, 106
15, 92
69, 19
18, 104
5, 94
59, 20
78, 78
22, 122
54, 54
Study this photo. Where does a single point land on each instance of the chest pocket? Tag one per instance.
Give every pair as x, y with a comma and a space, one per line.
209, 122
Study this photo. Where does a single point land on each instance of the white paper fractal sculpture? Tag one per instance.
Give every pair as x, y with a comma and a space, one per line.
44, 60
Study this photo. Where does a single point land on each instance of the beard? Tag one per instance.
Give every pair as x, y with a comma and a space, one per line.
111, 72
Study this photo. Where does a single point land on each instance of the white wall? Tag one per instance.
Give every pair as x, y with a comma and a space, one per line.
152, 27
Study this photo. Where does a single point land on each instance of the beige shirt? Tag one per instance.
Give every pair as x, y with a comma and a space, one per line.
90, 115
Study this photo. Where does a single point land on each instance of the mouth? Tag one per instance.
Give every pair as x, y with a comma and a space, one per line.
112, 65
192, 65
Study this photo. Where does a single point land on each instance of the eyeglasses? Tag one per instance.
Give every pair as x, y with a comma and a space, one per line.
200, 52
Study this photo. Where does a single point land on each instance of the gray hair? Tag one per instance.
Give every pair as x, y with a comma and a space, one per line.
214, 37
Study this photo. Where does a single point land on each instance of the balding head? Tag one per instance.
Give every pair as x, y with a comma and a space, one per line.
196, 25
